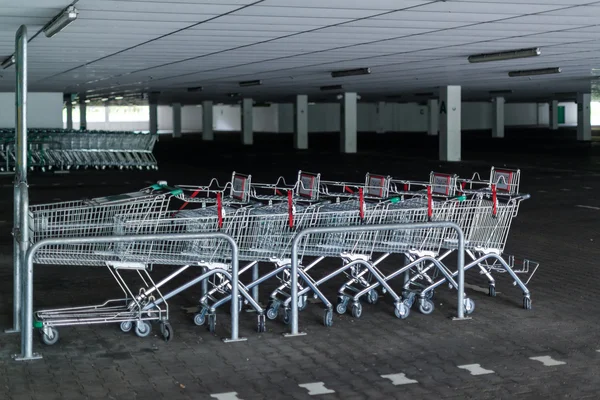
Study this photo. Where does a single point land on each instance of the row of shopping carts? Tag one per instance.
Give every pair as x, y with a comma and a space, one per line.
264, 219
57, 149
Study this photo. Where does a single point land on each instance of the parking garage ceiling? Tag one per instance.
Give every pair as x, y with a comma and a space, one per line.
118, 47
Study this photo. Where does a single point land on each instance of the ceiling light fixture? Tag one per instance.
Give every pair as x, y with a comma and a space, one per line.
61, 21
118, 97
74, 103
257, 82
331, 87
87, 101
505, 55
350, 72
8, 62
195, 89
532, 72
105, 99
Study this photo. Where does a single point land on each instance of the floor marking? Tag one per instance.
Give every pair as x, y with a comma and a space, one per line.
478, 288
316, 388
542, 191
547, 361
56, 184
588, 207
226, 396
475, 369
565, 190
587, 188
62, 172
399, 379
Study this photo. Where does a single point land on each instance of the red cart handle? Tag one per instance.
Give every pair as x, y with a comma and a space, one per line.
429, 203
494, 200
290, 210
220, 210
361, 201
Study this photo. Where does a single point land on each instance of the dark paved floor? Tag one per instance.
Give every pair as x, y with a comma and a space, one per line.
559, 227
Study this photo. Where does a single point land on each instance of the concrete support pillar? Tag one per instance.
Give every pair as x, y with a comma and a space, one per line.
106, 113
82, 113
301, 122
69, 106
153, 105
176, 119
380, 128
207, 121
247, 123
541, 109
348, 111
433, 125
498, 122
584, 117
554, 115
450, 123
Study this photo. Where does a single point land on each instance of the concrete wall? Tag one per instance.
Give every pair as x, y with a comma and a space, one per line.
44, 110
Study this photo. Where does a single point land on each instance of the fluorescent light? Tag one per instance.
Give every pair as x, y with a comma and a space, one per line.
505, 55
87, 101
74, 103
331, 87
61, 21
532, 72
118, 97
105, 99
251, 83
195, 89
8, 62
350, 72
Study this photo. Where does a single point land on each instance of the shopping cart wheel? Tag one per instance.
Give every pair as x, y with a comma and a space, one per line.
285, 316
527, 303
142, 328
342, 305
356, 310
426, 306
273, 310
373, 296
469, 306
200, 318
302, 302
409, 298
492, 291
328, 317
50, 336
401, 311
261, 324
212, 322
126, 326
167, 331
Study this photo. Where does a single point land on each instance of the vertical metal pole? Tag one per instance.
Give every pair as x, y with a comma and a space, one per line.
294, 286
16, 260
254, 279
234, 291
461, 272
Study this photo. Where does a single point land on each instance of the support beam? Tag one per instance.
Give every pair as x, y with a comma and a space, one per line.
153, 105
301, 122
498, 121
348, 140
247, 122
450, 123
433, 124
584, 117
207, 121
554, 115
69, 106
176, 120
82, 112
380, 128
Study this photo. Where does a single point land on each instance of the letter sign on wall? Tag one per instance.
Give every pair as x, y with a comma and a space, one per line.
443, 108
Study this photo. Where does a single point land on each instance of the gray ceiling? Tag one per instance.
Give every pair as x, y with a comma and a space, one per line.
411, 46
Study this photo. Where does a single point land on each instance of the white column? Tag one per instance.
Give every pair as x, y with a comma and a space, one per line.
380, 128
554, 115
176, 120
153, 105
82, 113
247, 124
69, 113
541, 108
207, 121
498, 122
301, 122
348, 110
584, 122
450, 127
433, 125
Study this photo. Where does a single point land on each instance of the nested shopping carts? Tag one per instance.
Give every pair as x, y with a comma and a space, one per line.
264, 219
58, 149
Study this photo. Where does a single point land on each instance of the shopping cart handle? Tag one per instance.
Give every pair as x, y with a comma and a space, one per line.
172, 190
525, 197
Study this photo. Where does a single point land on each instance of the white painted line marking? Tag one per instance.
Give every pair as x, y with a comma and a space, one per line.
547, 361
226, 396
478, 288
316, 388
588, 207
4, 222
542, 191
587, 188
62, 172
56, 184
565, 190
475, 369
399, 379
